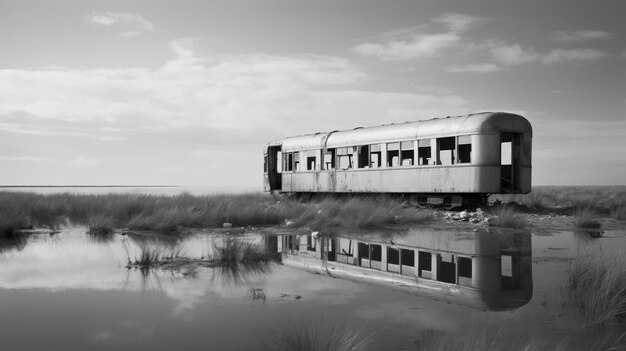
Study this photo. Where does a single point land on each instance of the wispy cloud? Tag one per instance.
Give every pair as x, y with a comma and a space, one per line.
416, 47
413, 43
83, 161
579, 36
475, 68
516, 55
229, 99
136, 24
457, 22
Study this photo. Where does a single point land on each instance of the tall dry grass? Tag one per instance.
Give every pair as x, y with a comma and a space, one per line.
507, 217
360, 212
167, 214
599, 198
597, 286
585, 218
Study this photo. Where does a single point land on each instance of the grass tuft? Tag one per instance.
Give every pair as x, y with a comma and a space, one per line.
233, 251
297, 335
619, 212
507, 217
597, 286
584, 217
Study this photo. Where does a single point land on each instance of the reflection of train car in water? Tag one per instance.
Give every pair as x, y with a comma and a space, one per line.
481, 270
437, 161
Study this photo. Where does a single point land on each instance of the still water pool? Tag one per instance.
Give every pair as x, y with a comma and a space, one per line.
395, 291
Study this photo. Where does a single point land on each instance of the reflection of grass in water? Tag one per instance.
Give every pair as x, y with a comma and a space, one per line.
597, 286
507, 217
13, 241
584, 217
240, 261
298, 335
234, 260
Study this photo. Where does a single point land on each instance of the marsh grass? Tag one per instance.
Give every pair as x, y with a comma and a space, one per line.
12, 219
100, 225
298, 335
507, 217
619, 212
360, 212
599, 198
584, 217
170, 214
597, 286
164, 214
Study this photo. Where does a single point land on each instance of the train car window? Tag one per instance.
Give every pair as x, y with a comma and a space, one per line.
425, 264
344, 157
465, 148
288, 161
279, 162
375, 156
423, 152
393, 255
310, 163
407, 257
406, 153
445, 151
393, 154
296, 161
329, 159
345, 161
364, 155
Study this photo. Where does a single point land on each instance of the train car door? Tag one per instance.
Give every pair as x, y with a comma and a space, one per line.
273, 171
510, 165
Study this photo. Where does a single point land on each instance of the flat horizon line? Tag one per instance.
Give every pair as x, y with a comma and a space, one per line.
90, 186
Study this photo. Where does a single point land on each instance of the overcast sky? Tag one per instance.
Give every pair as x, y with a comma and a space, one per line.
188, 92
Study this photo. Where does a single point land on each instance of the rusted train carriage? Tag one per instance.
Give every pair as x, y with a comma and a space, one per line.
437, 161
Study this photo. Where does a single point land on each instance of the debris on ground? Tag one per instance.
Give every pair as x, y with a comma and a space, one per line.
477, 216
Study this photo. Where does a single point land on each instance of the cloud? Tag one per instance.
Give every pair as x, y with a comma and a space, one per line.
136, 23
573, 55
475, 68
579, 36
516, 55
513, 54
416, 47
83, 161
457, 22
215, 99
412, 43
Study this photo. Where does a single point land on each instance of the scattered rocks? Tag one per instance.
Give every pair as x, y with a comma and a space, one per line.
477, 216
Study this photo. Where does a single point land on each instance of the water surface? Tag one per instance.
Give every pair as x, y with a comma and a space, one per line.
69, 291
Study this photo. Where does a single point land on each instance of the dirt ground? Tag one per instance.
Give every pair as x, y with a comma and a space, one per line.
539, 221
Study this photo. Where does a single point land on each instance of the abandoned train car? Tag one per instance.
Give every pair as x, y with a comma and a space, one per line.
437, 161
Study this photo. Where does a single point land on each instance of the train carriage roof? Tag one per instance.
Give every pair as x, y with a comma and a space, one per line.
438, 127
